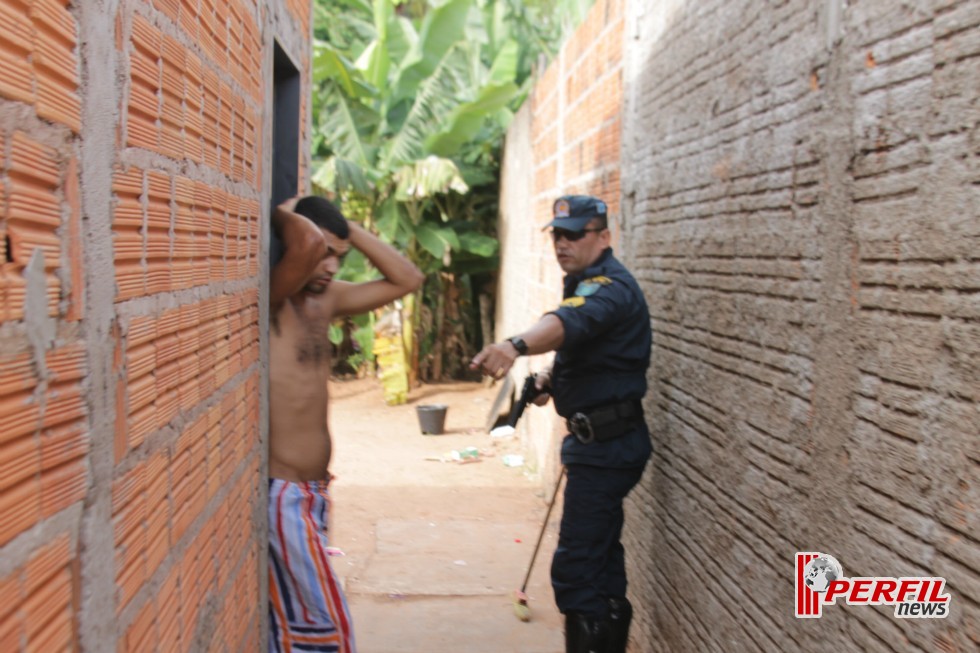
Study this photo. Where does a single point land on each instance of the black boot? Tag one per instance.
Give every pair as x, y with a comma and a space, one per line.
620, 616
584, 634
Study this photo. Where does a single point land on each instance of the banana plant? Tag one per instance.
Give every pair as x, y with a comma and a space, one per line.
411, 103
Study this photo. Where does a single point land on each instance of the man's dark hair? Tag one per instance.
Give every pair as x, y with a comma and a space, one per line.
323, 214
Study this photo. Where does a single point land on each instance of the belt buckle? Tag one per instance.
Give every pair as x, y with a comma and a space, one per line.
581, 428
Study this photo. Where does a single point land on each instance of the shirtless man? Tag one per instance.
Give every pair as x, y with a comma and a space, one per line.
306, 604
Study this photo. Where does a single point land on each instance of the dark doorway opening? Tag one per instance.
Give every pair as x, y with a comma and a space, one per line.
285, 135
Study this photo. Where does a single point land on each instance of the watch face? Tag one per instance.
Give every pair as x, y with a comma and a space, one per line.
519, 345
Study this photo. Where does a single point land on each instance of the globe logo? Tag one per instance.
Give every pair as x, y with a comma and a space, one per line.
820, 571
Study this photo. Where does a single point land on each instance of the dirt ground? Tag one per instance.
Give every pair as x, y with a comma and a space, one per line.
433, 551
383, 444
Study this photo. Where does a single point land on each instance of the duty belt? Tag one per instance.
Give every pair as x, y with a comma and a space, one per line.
605, 422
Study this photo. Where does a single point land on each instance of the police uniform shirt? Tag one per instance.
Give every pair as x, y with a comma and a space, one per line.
603, 358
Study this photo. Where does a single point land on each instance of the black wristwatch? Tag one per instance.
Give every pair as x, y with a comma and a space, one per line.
519, 345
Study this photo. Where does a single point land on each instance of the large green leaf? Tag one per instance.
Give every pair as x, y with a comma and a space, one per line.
329, 63
341, 131
402, 37
382, 10
376, 57
477, 175
437, 240
441, 28
393, 224
338, 175
467, 119
325, 176
449, 237
435, 100
504, 69
477, 243
375, 63
431, 241
497, 27
428, 177
364, 336
475, 29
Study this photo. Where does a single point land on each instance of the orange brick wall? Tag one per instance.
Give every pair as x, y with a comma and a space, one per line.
132, 213
575, 109
573, 126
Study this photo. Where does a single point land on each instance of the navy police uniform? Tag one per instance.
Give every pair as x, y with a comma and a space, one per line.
598, 380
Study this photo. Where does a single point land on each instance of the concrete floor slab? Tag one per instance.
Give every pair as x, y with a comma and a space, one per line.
459, 624
458, 557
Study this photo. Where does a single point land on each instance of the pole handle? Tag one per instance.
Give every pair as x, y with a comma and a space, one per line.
547, 515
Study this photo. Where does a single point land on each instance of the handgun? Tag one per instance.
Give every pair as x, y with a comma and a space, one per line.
528, 394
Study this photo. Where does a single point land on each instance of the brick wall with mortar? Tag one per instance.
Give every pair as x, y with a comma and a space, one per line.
135, 150
800, 183
565, 140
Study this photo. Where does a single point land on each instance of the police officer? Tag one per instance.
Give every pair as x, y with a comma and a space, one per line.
601, 332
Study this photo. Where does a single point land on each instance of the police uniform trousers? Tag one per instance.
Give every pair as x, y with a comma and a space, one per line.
589, 565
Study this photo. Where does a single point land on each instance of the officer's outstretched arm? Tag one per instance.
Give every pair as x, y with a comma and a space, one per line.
547, 335
496, 360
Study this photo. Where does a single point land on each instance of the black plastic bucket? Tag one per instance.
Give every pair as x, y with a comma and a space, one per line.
432, 418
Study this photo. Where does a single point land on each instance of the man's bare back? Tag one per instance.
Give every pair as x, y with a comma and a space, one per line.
304, 300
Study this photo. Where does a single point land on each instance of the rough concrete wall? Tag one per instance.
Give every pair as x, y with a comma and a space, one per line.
565, 140
134, 158
801, 195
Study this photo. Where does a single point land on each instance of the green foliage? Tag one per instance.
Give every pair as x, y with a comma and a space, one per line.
363, 335
412, 99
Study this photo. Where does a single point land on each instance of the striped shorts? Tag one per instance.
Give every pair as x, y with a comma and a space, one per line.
307, 608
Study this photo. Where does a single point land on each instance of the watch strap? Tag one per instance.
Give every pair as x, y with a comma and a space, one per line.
519, 345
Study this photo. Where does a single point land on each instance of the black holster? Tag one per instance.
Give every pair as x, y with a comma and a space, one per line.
605, 422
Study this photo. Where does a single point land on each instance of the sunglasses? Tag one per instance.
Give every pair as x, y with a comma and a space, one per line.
572, 236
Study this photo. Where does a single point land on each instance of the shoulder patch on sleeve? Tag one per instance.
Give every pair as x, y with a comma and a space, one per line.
589, 287
573, 302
